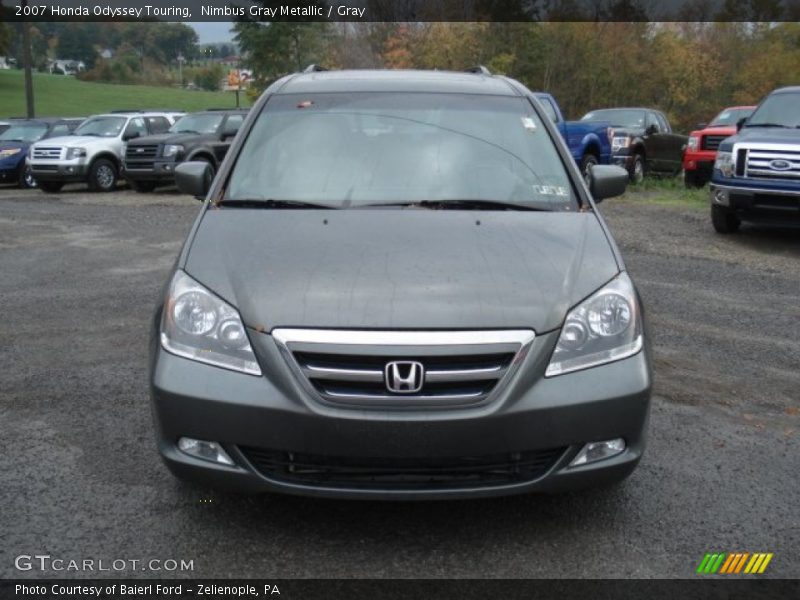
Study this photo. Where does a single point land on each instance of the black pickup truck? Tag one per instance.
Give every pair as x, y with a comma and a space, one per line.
203, 136
643, 141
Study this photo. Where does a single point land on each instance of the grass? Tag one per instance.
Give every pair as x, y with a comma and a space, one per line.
65, 96
668, 191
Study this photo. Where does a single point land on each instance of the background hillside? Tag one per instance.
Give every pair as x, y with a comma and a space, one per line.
63, 96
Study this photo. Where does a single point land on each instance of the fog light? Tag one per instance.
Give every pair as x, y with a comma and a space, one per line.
594, 451
721, 197
210, 451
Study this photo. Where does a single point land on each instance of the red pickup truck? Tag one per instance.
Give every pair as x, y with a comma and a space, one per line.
701, 150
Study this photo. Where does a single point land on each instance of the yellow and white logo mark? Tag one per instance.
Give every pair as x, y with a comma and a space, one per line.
734, 563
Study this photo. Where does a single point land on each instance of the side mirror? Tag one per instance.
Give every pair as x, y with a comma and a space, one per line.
194, 178
740, 123
651, 130
607, 181
701, 125
130, 136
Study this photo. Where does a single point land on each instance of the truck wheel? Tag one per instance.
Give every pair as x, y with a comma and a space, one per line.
692, 179
637, 169
26, 179
587, 163
51, 187
143, 187
102, 175
724, 220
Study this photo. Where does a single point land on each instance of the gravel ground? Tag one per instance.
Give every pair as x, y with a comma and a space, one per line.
82, 479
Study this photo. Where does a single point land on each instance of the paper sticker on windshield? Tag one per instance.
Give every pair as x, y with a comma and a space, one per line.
551, 190
529, 123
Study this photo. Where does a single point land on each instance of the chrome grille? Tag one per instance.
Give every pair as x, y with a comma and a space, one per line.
141, 151
772, 163
349, 368
140, 156
47, 152
711, 142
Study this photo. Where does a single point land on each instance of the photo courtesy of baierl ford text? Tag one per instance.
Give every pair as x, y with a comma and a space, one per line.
371, 299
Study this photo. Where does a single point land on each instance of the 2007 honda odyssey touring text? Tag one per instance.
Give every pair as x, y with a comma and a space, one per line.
399, 287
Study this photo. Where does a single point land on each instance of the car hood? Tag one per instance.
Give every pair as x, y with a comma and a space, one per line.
13, 145
632, 132
763, 135
165, 138
73, 140
388, 268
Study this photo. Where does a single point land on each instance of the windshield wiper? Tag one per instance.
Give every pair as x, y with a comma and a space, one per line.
270, 203
767, 125
457, 205
187, 131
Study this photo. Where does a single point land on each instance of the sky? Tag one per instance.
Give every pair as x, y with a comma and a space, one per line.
212, 32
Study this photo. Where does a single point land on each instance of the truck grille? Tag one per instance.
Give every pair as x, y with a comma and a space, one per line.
402, 473
403, 369
47, 152
140, 156
772, 163
711, 142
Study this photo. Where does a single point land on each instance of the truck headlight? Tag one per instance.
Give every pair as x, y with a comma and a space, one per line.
9, 152
693, 143
603, 328
73, 153
172, 150
198, 325
620, 141
724, 163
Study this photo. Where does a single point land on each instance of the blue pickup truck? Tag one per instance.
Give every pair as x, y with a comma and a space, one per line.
589, 142
756, 175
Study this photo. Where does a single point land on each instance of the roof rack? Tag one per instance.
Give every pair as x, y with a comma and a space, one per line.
314, 69
120, 111
479, 70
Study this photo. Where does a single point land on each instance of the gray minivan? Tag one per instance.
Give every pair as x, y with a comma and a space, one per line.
399, 287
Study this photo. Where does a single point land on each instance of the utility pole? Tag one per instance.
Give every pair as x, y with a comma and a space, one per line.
26, 57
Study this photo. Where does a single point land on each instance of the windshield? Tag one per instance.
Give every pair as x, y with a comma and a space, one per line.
28, 132
102, 126
202, 123
730, 116
624, 119
346, 150
778, 109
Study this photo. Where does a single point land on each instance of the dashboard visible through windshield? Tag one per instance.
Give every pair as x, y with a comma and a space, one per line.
342, 150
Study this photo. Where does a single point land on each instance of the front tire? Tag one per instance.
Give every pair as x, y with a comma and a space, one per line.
692, 180
103, 176
143, 187
27, 180
587, 163
637, 169
50, 187
724, 220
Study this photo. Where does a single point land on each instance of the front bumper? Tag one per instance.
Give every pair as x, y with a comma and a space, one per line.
64, 172
273, 412
159, 171
11, 174
701, 161
751, 202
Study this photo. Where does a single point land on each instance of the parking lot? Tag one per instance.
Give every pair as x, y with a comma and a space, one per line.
80, 276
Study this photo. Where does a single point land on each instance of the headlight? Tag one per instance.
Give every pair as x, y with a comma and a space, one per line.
603, 328
9, 152
200, 326
76, 153
172, 150
724, 163
620, 141
693, 143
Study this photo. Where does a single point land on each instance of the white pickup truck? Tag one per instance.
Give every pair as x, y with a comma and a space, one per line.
94, 152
